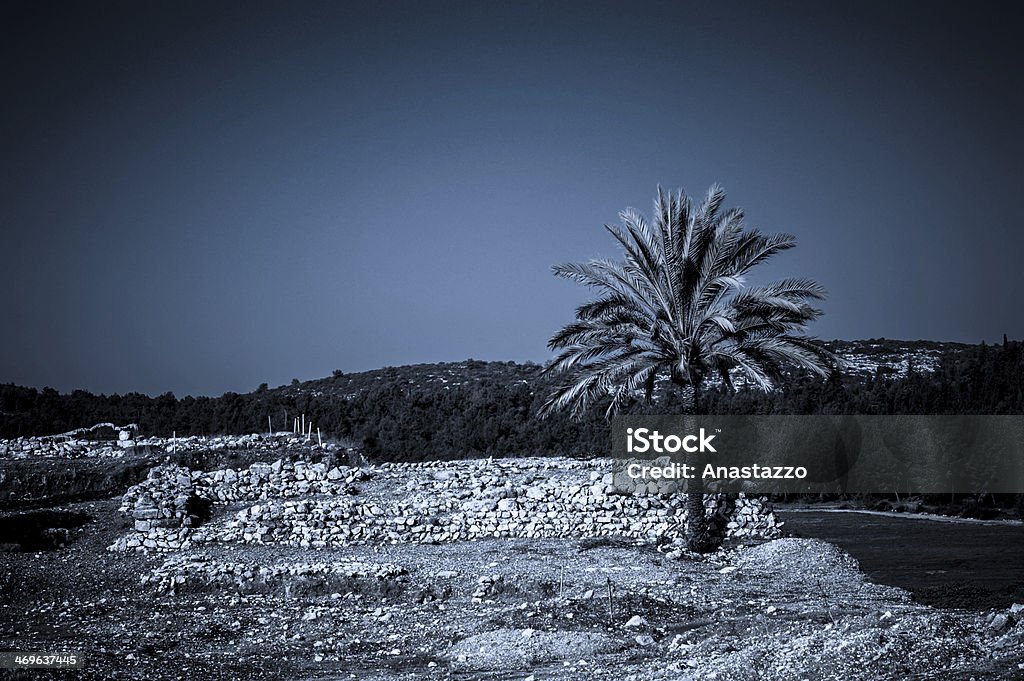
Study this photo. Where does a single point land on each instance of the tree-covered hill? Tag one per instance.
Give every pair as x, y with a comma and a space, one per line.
474, 408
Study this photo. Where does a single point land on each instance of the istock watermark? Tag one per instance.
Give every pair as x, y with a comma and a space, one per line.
820, 454
643, 440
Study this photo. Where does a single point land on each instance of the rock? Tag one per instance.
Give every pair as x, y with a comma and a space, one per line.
636, 621
644, 639
999, 623
505, 650
536, 492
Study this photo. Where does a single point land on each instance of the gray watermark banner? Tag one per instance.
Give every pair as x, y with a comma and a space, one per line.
820, 454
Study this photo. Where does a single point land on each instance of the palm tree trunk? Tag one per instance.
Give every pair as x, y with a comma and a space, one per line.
702, 536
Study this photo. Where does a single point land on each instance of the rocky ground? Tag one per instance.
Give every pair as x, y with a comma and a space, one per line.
569, 601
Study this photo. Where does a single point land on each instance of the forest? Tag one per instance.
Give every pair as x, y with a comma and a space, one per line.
476, 408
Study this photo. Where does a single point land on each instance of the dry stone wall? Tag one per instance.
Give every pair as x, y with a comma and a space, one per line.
198, 570
310, 505
164, 508
71, 447
32, 447
280, 479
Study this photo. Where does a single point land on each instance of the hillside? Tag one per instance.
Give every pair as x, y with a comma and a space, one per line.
474, 408
863, 357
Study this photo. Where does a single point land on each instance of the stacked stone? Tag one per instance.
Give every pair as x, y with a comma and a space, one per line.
253, 441
753, 517
535, 511
472, 500
280, 479
68, 447
43, 447
193, 443
163, 510
198, 569
313, 506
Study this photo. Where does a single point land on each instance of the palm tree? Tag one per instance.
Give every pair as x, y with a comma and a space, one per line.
678, 307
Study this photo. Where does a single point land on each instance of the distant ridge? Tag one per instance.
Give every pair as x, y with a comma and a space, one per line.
864, 357
473, 408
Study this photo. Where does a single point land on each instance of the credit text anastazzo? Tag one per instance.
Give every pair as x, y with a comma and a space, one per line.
676, 471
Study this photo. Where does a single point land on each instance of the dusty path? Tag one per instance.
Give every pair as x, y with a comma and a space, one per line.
951, 565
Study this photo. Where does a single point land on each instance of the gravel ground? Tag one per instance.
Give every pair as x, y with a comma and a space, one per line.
491, 609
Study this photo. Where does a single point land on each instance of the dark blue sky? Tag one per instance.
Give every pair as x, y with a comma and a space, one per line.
200, 198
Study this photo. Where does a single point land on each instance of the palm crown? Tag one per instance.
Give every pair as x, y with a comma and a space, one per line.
677, 306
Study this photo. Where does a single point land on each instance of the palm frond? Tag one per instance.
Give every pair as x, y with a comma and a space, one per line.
677, 305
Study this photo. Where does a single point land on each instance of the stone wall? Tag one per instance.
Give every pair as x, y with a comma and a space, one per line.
178, 571
280, 479
28, 447
311, 505
164, 508
68, 446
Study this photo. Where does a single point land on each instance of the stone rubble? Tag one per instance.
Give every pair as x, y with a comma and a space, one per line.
309, 505
752, 517
164, 508
1009, 625
71, 447
57, 448
280, 479
487, 587
198, 570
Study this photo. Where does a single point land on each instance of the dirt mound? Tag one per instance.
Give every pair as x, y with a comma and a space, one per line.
523, 648
799, 561
856, 647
